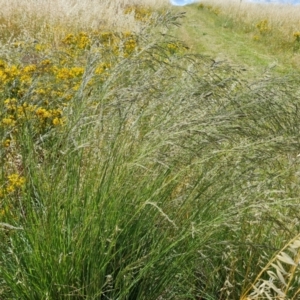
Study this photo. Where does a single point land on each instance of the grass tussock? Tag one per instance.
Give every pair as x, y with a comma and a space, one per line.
133, 169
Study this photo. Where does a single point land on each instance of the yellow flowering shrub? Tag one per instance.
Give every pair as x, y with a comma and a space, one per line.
39, 81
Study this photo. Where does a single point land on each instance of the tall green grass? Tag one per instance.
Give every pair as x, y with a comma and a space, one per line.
174, 179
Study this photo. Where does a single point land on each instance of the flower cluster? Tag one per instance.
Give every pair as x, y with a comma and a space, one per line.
80, 41
38, 92
40, 80
175, 47
11, 186
141, 13
263, 27
13, 183
297, 36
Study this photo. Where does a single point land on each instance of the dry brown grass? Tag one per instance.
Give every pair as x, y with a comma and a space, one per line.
29, 17
281, 275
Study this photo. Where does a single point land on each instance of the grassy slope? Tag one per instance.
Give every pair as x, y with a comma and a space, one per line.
211, 34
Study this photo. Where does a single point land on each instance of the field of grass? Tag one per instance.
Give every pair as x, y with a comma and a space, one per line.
135, 168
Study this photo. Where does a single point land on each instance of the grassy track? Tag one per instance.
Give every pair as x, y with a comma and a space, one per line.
211, 34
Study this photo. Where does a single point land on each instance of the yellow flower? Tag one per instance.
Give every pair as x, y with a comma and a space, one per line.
263, 26
102, 68
10, 103
6, 143
69, 39
130, 45
8, 121
76, 87
28, 107
40, 47
141, 13
57, 94
16, 180
297, 36
57, 121
43, 113
41, 92
56, 112
10, 189
45, 63
106, 37
76, 71
26, 78
3, 75
12, 71
29, 69
2, 64
68, 97
83, 40
63, 73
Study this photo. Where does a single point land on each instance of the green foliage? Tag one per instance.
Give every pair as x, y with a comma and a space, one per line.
171, 178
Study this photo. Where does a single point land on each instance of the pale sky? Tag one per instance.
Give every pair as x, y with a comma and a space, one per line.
182, 2
185, 2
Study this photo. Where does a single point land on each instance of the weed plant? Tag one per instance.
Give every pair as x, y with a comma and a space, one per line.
142, 171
